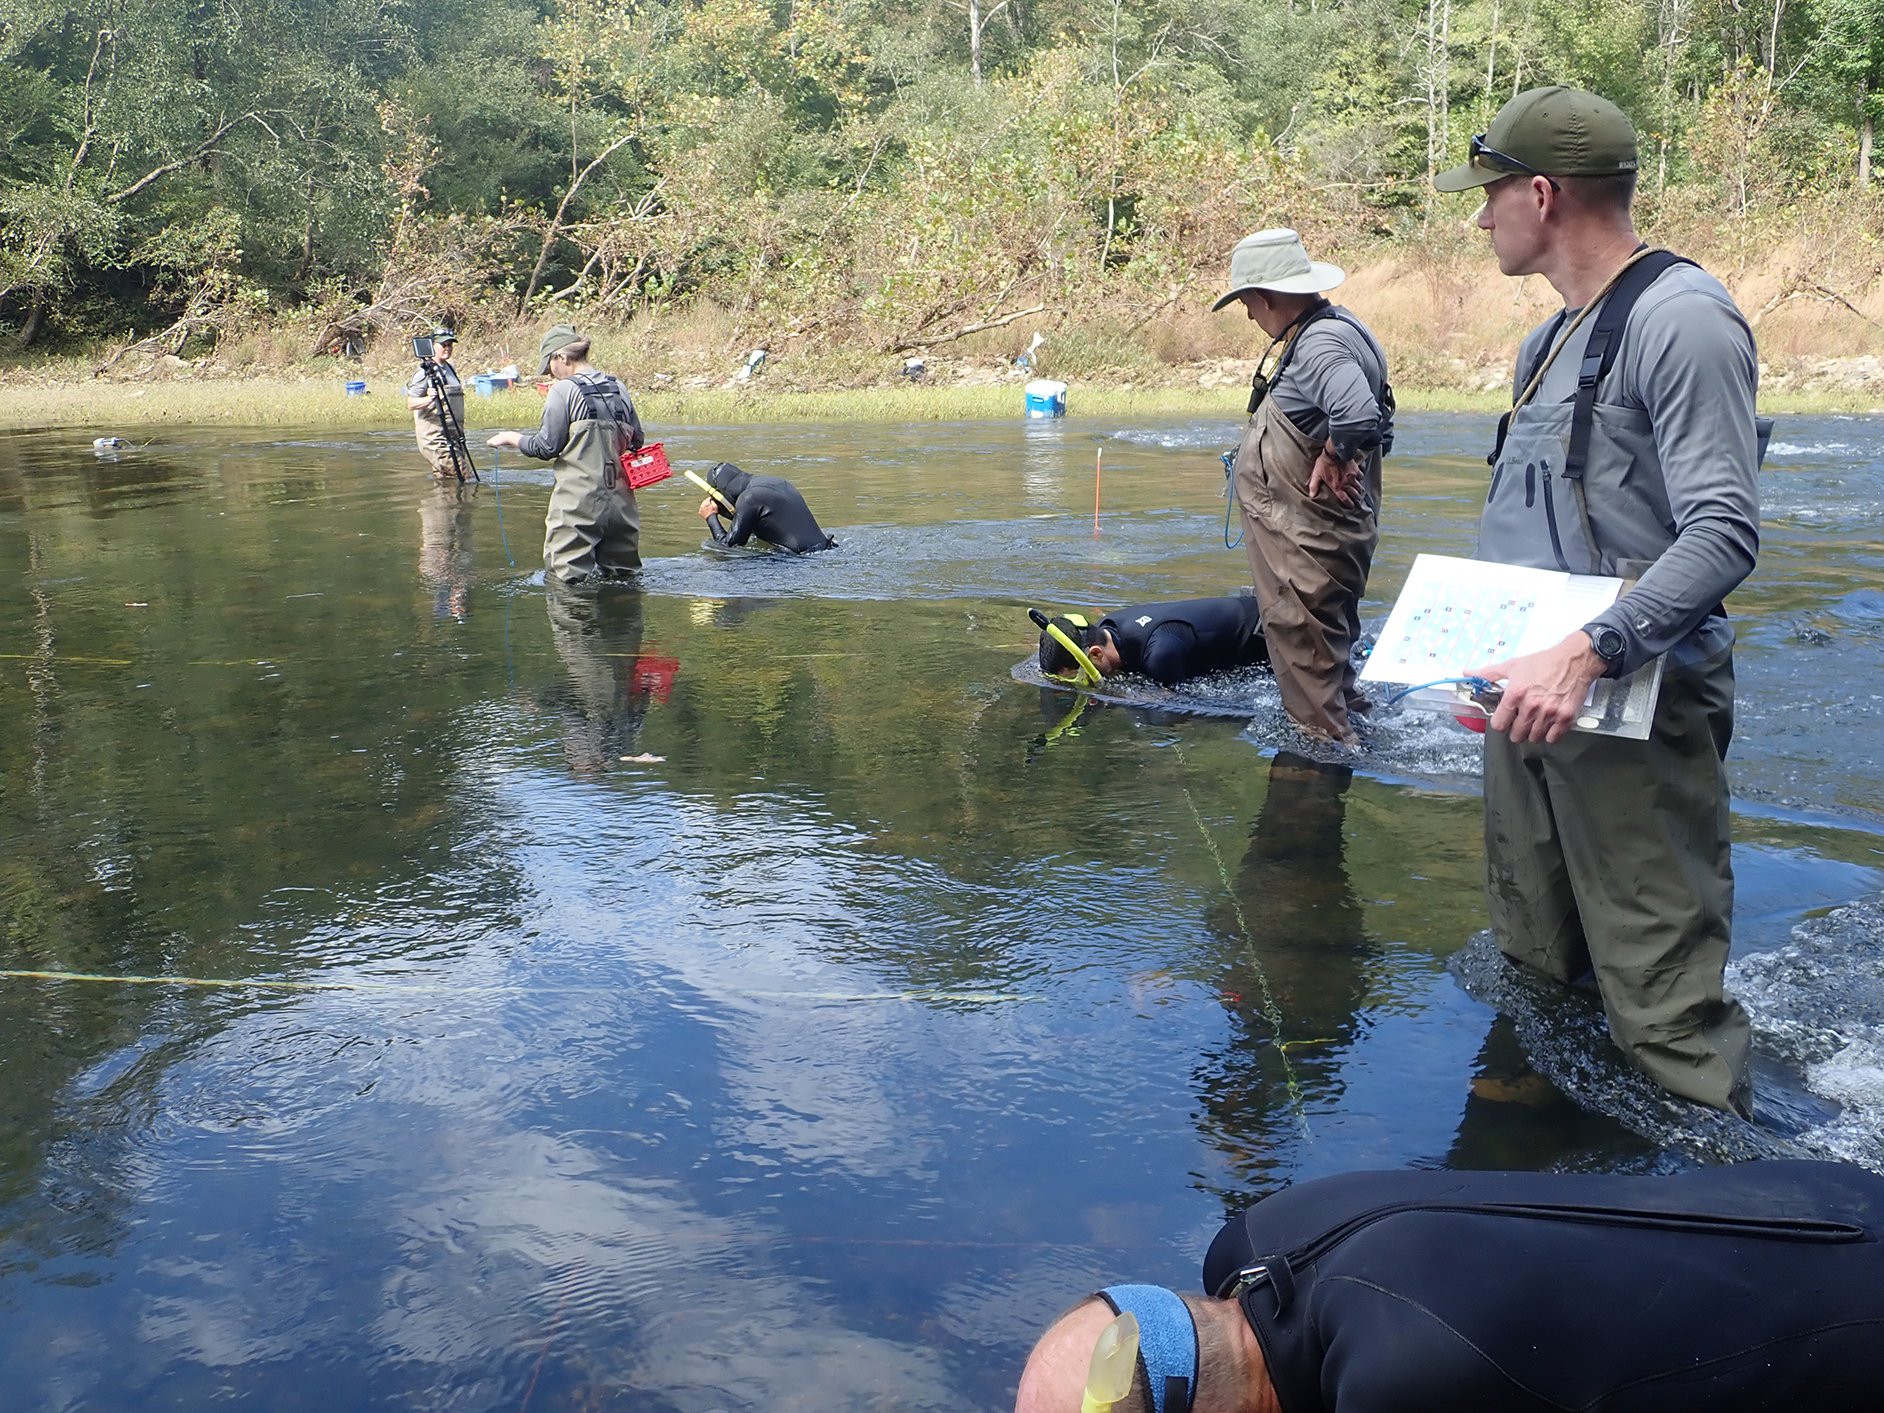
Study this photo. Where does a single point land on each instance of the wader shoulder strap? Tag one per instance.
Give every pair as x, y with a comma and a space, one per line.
1260, 384
1599, 355
599, 398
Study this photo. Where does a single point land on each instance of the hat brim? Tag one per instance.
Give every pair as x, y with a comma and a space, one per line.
1466, 177
1321, 278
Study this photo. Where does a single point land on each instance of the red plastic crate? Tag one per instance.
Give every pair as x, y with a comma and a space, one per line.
643, 468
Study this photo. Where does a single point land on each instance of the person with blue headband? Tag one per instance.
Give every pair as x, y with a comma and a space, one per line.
1753, 1286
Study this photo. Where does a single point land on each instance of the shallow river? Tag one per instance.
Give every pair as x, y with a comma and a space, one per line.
405, 1039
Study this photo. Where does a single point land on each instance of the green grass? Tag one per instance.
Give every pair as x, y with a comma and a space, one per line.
262, 402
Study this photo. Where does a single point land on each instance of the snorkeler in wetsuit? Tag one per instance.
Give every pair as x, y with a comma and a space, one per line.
1166, 642
1753, 1286
764, 507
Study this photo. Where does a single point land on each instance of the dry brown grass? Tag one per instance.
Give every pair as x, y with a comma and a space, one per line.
1450, 322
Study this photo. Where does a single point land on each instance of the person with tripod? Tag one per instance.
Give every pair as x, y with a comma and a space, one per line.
436, 396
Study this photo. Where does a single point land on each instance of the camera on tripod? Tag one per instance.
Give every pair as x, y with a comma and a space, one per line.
425, 349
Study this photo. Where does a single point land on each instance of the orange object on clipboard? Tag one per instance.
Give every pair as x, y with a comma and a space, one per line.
645, 467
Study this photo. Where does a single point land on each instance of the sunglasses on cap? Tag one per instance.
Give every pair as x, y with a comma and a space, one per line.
1478, 149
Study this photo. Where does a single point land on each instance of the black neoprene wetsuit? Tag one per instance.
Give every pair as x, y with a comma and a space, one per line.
1756, 1286
768, 507
1168, 642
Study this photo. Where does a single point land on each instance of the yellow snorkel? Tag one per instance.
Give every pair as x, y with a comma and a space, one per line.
709, 490
1114, 1361
1088, 674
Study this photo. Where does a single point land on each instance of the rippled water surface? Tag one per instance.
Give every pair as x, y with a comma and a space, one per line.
741, 991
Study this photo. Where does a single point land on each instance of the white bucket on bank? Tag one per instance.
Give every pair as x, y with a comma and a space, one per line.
1046, 398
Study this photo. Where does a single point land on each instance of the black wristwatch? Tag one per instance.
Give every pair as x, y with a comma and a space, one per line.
1608, 644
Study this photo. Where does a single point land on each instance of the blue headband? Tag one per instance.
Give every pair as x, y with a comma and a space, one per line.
1167, 1343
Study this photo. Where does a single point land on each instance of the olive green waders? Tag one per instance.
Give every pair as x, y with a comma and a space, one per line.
1309, 558
592, 527
434, 446
1612, 855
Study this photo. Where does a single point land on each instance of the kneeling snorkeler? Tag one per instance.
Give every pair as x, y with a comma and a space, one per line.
1166, 642
766, 508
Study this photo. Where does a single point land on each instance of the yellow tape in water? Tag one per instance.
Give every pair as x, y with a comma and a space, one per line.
977, 998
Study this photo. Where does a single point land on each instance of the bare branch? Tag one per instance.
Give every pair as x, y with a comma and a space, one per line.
157, 174
963, 333
556, 224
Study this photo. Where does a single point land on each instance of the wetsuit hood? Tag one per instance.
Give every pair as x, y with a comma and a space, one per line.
729, 480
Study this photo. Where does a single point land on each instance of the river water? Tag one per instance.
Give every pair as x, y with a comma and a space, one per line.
744, 992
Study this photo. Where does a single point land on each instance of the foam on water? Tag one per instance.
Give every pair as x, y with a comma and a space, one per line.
1817, 1007
1191, 436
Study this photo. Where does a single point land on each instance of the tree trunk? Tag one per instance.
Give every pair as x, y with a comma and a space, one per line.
35, 322
974, 39
1866, 131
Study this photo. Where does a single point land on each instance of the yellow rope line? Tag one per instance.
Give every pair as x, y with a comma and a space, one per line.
1271, 1012
981, 998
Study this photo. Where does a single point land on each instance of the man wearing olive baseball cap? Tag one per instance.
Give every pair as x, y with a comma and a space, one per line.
1307, 474
1631, 450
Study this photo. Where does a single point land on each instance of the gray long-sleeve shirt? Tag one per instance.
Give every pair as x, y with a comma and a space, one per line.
562, 408
1332, 385
1687, 364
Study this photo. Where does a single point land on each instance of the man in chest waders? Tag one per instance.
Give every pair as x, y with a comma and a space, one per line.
1308, 475
593, 529
1631, 450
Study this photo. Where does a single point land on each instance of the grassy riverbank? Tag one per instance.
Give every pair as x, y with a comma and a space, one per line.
117, 408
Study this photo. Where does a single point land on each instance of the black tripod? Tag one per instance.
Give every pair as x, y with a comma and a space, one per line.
454, 429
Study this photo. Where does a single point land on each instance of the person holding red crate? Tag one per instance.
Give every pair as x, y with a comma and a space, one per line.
592, 530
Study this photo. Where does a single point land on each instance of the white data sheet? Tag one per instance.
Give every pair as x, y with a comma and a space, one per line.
1457, 615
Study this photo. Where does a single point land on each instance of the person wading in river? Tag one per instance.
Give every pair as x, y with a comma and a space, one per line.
1308, 474
428, 419
593, 528
1632, 449
1752, 1286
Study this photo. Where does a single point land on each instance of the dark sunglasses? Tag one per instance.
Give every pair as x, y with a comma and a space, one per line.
1478, 149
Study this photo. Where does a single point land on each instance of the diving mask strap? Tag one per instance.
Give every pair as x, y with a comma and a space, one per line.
1167, 1342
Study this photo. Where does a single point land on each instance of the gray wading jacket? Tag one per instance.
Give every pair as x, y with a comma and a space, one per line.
1672, 468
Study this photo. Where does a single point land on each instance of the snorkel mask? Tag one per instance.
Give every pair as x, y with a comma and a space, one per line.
1088, 673
1154, 1331
709, 490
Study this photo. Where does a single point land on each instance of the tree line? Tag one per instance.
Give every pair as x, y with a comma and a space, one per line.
898, 170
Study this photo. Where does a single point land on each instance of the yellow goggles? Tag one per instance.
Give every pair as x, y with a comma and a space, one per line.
1087, 672
709, 490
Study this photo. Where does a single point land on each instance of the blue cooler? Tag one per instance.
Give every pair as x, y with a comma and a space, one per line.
482, 382
1046, 398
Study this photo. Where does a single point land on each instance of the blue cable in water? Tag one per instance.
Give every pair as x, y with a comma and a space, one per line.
1477, 684
495, 455
1228, 459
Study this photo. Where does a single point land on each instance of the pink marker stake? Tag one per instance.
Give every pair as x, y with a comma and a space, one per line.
1098, 466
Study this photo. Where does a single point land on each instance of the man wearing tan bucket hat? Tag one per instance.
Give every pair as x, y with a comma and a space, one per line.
1632, 449
1308, 474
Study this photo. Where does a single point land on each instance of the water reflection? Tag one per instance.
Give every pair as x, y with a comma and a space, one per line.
610, 681
447, 546
1298, 951
677, 1084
